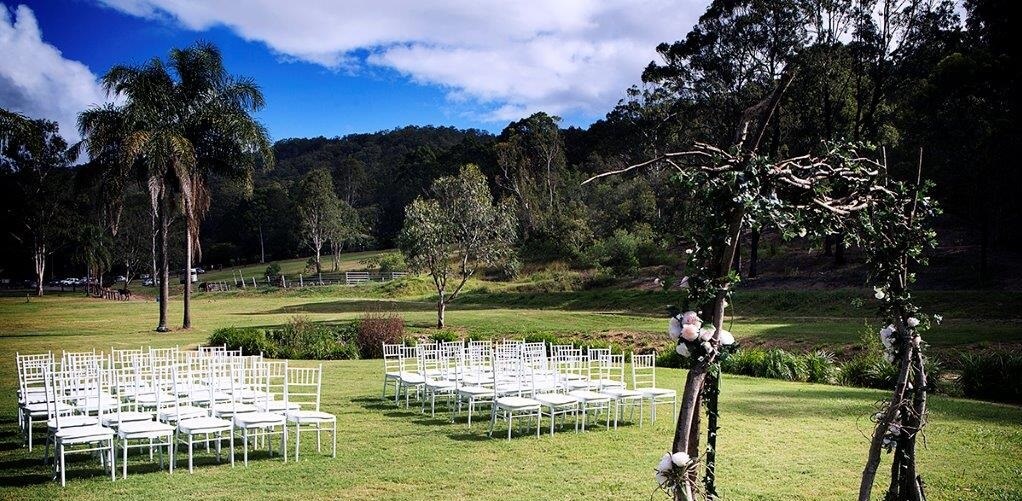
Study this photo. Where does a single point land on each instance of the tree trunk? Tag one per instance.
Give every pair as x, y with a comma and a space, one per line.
441, 309
839, 249
754, 253
828, 245
164, 293
262, 247
687, 426
319, 266
186, 322
39, 260
885, 420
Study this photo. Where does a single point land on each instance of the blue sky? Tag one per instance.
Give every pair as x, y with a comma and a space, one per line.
333, 68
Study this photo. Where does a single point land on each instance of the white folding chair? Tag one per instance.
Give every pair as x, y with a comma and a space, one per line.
146, 432
612, 375
644, 382
190, 425
510, 383
64, 389
391, 368
303, 387
261, 421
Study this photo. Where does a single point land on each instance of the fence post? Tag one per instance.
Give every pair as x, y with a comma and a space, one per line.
301, 280
254, 286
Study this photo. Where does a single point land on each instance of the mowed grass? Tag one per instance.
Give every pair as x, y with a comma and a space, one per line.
779, 440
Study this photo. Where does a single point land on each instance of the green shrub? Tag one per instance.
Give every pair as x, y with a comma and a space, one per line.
392, 262
816, 367
272, 270
820, 367
991, 376
868, 370
249, 340
745, 361
444, 336
298, 339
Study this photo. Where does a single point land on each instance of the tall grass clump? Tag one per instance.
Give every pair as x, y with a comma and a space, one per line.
991, 376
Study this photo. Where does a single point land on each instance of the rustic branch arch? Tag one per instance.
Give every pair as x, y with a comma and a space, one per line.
841, 188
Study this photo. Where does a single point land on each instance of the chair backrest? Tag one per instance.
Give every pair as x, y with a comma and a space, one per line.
644, 371
32, 370
391, 357
612, 368
304, 385
120, 358
408, 360
276, 378
164, 356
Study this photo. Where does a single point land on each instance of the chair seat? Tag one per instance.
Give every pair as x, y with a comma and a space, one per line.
258, 419
556, 399
582, 384
412, 378
657, 392
475, 391
39, 409
621, 393
144, 429
73, 422
608, 383
589, 396
440, 384
309, 417
278, 406
181, 413
392, 375
111, 420
203, 425
94, 404
84, 434
150, 399
204, 396
249, 395
229, 409
517, 403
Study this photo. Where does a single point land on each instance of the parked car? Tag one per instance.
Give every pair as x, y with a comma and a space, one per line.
148, 282
194, 275
199, 270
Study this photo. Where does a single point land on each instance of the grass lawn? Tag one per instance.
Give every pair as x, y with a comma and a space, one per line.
779, 440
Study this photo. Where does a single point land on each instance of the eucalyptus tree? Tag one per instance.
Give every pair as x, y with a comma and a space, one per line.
34, 159
455, 232
319, 211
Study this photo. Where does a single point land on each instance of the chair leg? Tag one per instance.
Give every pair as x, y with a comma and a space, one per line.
244, 444
510, 418
230, 445
170, 452
63, 467
319, 440
113, 467
334, 434
298, 440
283, 441
124, 458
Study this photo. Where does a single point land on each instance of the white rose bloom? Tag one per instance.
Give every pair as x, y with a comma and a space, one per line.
707, 346
691, 318
682, 350
665, 463
690, 332
879, 294
913, 321
726, 338
661, 479
674, 328
706, 334
688, 251
680, 458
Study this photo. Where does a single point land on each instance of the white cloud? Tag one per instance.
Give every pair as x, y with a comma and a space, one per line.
35, 78
511, 57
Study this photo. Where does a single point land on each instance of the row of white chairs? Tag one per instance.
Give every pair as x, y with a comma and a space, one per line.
516, 379
160, 398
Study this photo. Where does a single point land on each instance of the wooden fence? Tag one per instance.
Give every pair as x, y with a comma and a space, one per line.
301, 280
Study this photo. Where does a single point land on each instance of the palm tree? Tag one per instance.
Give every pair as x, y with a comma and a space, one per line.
178, 126
227, 140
